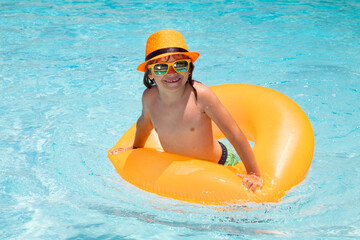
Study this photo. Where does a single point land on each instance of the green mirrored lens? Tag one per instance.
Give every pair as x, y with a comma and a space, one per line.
160, 69
181, 66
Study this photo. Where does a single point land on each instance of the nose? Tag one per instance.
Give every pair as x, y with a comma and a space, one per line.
171, 70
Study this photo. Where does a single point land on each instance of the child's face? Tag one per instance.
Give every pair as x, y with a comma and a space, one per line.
172, 79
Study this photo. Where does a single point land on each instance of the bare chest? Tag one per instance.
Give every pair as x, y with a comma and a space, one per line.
178, 120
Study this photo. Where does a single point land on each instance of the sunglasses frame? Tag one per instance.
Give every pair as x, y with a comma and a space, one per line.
169, 64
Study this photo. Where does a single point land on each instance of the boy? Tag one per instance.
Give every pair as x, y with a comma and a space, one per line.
181, 109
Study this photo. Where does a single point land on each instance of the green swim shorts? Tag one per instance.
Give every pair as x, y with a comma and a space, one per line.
228, 156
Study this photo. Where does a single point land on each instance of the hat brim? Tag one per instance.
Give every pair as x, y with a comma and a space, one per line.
192, 55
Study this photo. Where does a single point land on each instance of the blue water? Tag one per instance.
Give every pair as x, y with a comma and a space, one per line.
69, 90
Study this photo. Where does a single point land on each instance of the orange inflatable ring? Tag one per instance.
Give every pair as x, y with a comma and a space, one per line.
284, 146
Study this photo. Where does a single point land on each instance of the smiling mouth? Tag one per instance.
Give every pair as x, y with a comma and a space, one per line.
172, 80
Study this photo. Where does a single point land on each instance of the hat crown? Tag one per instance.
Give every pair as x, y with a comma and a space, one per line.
164, 43
165, 39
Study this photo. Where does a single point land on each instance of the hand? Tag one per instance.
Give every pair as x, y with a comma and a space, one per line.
119, 150
251, 181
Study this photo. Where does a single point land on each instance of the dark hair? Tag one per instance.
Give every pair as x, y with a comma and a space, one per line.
149, 83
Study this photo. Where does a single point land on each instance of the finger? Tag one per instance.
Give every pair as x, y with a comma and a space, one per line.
253, 187
114, 152
245, 180
240, 175
260, 183
250, 186
247, 184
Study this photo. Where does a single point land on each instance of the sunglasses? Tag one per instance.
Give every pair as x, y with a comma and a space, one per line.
180, 66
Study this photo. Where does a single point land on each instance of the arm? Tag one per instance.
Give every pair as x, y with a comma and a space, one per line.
223, 119
143, 130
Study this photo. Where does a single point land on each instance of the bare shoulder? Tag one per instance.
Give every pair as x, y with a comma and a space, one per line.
150, 95
205, 94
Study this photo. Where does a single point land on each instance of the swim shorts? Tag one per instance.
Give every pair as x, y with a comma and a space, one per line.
228, 156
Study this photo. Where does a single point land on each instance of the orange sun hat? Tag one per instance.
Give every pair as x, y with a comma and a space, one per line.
164, 43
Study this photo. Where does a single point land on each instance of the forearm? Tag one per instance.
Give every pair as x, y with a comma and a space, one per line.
246, 154
143, 130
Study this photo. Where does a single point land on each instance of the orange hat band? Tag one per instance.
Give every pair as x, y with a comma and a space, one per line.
164, 50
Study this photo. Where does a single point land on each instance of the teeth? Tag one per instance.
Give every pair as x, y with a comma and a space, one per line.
172, 81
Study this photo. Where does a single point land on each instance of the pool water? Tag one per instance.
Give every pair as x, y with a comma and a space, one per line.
69, 90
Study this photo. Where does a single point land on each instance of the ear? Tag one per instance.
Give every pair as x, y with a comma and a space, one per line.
150, 75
